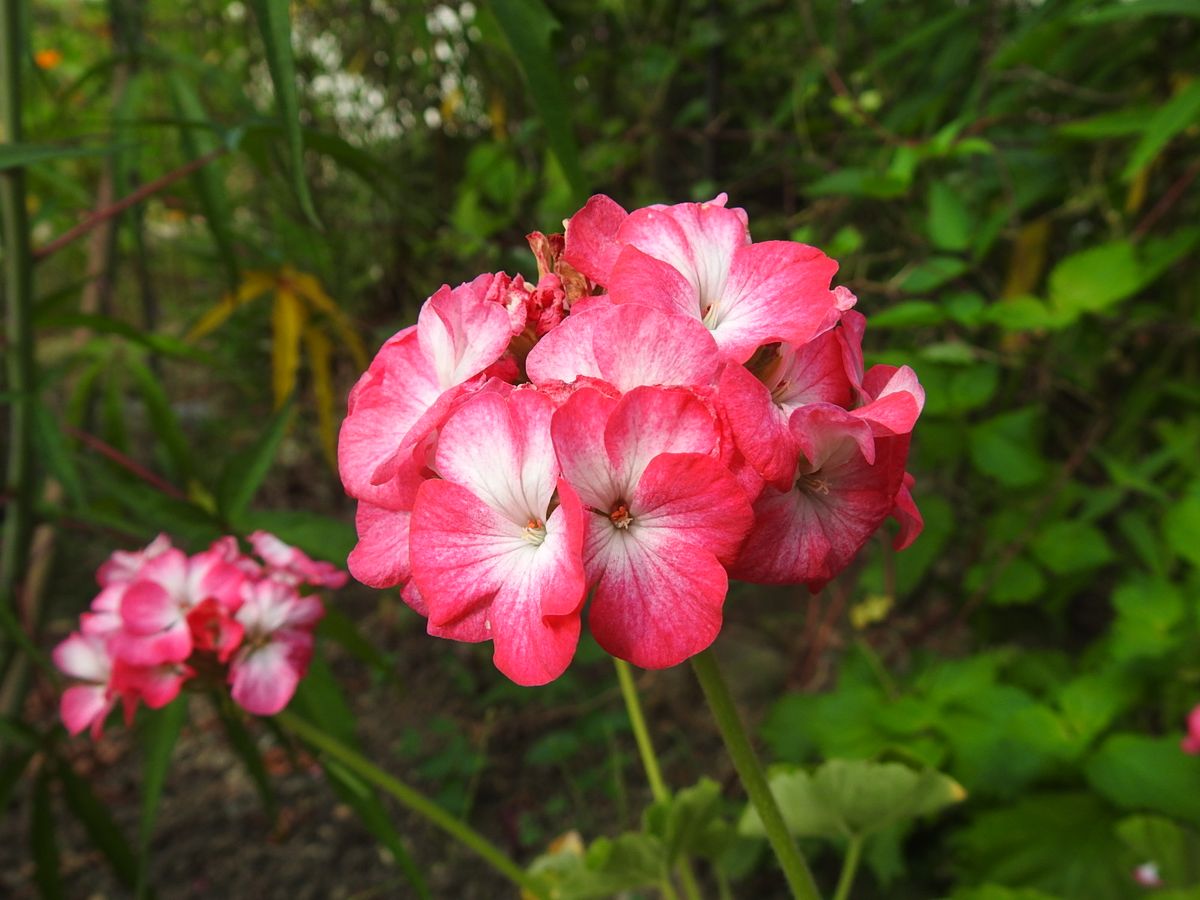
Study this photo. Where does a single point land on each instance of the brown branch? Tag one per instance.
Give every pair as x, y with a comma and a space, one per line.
145, 191
125, 462
1169, 198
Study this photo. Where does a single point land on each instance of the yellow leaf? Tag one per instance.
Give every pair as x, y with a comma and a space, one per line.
319, 353
287, 323
1028, 259
253, 285
310, 289
1137, 190
874, 608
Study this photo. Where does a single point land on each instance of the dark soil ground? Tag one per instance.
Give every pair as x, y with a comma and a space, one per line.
526, 764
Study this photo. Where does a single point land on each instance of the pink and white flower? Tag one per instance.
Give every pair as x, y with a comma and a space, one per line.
496, 540
85, 657
277, 623
697, 259
697, 405
155, 606
664, 516
292, 565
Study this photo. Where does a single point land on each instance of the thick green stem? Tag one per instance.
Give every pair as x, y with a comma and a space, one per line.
658, 788
18, 306
795, 870
413, 799
849, 868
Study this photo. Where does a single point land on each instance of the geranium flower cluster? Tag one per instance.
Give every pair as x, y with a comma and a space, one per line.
163, 617
671, 405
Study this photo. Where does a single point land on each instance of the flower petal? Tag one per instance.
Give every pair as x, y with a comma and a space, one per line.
591, 237
380, 558
265, 679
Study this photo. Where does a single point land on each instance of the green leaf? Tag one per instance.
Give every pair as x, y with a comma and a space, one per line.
1119, 123
999, 892
909, 314
857, 183
218, 213
1136, 9
43, 841
158, 343
53, 448
246, 471
1149, 612
275, 27
932, 274
1006, 448
1058, 843
11, 770
1019, 582
13, 156
1138, 772
103, 831
950, 226
1091, 702
1181, 528
845, 798
1174, 850
162, 418
1095, 279
243, 744
1068, 546
160, 731
686, 823
608, 868
1171, 118
528, 26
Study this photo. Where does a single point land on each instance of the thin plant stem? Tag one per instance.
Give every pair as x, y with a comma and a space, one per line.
658, 787
18, 311
849, 868
413, 800
716, 692
633, 706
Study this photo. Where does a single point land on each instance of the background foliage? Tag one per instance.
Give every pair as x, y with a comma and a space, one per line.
1011, 189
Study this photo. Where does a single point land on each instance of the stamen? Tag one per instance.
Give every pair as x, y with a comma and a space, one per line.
535, 531
812, 483
620, 516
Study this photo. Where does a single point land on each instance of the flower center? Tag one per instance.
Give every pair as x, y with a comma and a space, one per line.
619, 516
708, 315
813, 483
534, 532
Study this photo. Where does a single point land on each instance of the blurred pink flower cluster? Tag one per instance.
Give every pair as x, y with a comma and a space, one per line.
163, 617
671, 405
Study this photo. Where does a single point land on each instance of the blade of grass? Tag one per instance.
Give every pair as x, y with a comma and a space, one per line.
527, 26
102, 829
246, 471
207, 181
159, 736
274, 24
44, 842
